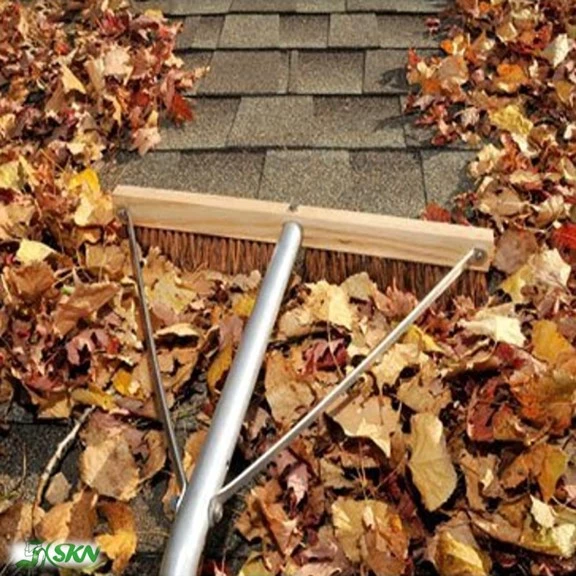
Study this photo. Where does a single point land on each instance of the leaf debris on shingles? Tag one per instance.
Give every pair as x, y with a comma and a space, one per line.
456, 450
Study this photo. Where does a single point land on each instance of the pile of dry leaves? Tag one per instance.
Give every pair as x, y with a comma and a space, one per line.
455, 455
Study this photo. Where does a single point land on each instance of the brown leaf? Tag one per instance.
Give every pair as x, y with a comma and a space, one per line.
373, 418
109, 467
513, 250
85, 300
72, 520
371, 531
288, 394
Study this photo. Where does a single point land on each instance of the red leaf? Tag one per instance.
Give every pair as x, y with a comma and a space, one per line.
436, 213
565, 236
180, 109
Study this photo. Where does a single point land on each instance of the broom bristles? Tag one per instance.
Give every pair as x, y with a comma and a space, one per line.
231, 256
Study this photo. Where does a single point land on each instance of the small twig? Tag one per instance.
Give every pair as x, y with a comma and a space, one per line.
61, 449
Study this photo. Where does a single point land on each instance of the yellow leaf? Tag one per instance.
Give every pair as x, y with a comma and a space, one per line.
243, 305
372, 532
457, 558
122, 382
512, 119
87, 180
121, 544
10, 176
219, 367
330, 303
548, 342
71, 82
425, 342
94, 397
31, 251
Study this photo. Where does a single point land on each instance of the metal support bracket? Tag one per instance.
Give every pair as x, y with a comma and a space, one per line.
159, 392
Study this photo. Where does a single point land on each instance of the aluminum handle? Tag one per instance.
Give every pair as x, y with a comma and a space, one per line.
391, 338
193, 519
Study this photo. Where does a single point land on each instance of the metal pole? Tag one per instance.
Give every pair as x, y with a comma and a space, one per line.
159, 392
193, 519
392, 337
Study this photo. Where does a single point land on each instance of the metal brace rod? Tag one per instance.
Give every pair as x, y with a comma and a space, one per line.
305, 422
193, 519
159, 392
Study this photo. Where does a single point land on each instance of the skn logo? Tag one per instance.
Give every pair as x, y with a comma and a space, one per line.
36, 554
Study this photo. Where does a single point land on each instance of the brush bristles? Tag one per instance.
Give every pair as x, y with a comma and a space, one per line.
194, 251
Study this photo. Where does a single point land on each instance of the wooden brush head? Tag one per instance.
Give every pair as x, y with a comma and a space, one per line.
231, 256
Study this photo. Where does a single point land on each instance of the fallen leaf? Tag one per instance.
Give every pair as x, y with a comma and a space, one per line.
288, 393
31, 251
455, 551
373, 418
432, 470
400, 356
219, 367
73, 520
121, 544
557, 51
497, 323
84, 301
58, 490
70, 82
329, 303
548, 342
109, 467
372, 532
513, 250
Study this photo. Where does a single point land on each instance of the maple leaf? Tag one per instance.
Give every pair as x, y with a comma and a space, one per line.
432, 469
180, 110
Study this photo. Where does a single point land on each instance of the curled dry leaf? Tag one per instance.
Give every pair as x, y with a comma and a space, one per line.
499, 323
